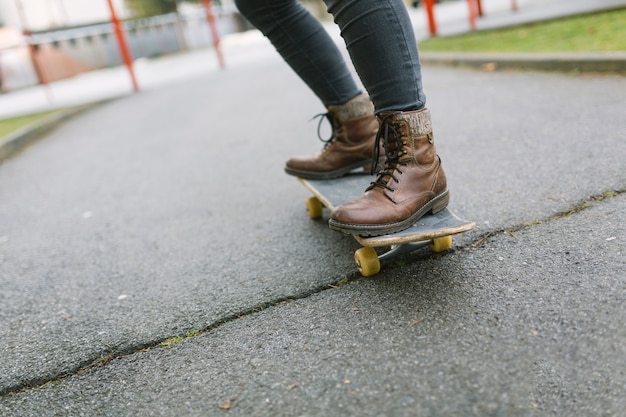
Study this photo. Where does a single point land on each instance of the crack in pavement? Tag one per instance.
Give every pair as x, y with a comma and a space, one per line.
581, 206
110, 355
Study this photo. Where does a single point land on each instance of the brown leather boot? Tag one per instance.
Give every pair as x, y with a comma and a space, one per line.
350, 147
411, 184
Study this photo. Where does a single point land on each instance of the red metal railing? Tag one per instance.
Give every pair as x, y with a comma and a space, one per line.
125, 50
123, 45
210, 16
475, 10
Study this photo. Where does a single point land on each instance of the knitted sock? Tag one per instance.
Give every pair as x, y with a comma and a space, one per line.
357, 107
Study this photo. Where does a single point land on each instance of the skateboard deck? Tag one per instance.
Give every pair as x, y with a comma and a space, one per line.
431, 230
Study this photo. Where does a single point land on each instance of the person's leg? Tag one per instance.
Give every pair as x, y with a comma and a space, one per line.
380, 39
306, 46
382, 45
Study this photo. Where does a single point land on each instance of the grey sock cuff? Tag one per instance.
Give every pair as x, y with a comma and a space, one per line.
359, 106
419, 121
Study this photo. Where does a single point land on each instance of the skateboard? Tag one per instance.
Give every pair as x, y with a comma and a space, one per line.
431, 230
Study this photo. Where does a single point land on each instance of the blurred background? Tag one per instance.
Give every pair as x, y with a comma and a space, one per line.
44, 41
56, 39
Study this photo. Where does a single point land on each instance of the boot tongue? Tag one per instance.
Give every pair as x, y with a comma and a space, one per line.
392, 141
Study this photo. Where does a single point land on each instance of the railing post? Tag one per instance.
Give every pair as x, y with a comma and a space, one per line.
472, 13
33, 50
479, 4
124, 50
430, 13
214, 32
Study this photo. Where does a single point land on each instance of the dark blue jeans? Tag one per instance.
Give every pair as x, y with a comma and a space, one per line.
379, 38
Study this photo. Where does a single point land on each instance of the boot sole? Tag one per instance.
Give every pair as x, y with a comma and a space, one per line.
329, 175
434, 206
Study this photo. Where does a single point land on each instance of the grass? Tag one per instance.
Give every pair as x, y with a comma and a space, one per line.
178, 339
12, 124
592, 32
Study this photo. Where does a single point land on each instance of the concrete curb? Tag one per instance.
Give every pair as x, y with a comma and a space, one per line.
596, 62
16, 141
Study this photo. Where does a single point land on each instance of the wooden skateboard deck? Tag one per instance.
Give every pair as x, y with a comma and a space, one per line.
431, 230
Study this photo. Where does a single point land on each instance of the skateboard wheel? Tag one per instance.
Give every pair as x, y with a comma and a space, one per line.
314, 207
440, 244
367, 261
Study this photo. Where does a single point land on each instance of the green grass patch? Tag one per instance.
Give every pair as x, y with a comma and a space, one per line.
12, 124
584, 33
178, 339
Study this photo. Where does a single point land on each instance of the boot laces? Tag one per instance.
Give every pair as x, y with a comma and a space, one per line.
333, 123
393, 144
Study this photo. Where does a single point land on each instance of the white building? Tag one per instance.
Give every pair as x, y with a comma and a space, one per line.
47, 14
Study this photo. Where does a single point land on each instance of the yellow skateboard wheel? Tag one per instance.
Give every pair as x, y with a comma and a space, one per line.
314, 207
367, 261
440, 244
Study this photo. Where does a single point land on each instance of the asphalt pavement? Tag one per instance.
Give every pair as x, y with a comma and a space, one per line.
155, 260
